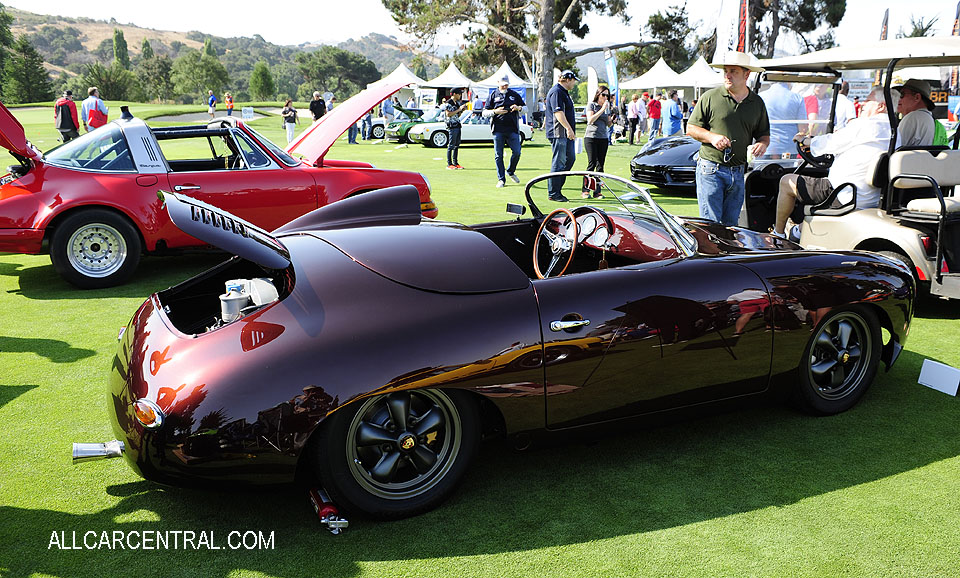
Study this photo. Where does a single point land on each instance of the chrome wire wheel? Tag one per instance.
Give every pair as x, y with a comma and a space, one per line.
840, 356
96, 250
401, 445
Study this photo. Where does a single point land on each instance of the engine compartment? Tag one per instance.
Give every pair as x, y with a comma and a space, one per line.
222, 295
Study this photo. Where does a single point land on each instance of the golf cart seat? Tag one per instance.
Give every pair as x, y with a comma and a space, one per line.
940, 172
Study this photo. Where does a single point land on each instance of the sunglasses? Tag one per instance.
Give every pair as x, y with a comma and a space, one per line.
728, 152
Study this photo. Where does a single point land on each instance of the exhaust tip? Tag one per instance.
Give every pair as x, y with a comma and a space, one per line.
86, 452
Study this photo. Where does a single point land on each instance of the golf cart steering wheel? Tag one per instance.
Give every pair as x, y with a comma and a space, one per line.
821, 162
560, 232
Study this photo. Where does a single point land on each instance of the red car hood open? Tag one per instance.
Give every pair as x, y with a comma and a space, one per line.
314, 142
13, 138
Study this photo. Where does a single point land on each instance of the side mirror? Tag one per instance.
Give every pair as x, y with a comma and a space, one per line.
516, 209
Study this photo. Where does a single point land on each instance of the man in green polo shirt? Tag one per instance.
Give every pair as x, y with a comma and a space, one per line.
726, 120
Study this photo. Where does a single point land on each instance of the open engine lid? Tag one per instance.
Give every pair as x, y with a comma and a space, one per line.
225, 231
314, 142
13, 138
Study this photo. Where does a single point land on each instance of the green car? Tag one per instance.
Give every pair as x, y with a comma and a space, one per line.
406, 118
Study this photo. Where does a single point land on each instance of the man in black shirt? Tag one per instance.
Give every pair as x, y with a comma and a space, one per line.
318, 107
504, 106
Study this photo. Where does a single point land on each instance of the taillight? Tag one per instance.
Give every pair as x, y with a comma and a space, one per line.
148, 413
929, 245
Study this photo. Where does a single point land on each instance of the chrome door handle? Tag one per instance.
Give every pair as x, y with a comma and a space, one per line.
186, 187
562, 325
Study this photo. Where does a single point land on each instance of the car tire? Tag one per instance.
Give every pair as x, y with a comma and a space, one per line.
378, 132
439, 139
370, 467
95, 248
840, 361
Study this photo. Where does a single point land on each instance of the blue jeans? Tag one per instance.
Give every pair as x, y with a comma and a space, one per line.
564, 153
366, 129
512, 140
654, 128
453, 145
352, 134
720, 191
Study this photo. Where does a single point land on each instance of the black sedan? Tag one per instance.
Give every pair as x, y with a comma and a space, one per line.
669, 162
371, 349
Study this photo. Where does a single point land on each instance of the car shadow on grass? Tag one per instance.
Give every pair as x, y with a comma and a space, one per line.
153, 274
636, 481
9, 393
53, 349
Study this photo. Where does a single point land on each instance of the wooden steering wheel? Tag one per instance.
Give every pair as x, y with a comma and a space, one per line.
562, 236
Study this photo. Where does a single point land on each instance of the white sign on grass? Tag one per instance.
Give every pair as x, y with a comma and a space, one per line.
940, 377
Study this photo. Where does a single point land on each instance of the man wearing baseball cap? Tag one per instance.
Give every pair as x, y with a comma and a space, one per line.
559, 129
917, 127
503, 107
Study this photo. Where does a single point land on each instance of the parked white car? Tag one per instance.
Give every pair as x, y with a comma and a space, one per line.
475, 129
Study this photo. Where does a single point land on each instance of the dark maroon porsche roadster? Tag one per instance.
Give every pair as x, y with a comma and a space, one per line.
332, 348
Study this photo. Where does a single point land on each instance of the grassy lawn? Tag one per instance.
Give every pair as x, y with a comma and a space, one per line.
763, 491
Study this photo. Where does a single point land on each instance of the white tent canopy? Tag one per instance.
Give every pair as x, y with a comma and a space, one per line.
493, 80
931, 51
450, 78
700, 75
401, 72
660, 75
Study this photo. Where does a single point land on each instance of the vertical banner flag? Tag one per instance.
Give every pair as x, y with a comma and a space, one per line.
610, 57
593, 81
732, 27
883, 36
955, 71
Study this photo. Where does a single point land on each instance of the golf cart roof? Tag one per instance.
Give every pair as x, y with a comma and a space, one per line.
934, 51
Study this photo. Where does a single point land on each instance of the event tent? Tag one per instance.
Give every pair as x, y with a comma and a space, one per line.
401, 72
700, 75
660, 75
493, 80
451, 78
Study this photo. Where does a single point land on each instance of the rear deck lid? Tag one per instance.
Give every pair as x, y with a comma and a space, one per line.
13, 138
314, 142
225, 231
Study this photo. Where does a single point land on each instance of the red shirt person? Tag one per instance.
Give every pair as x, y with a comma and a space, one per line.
65, 117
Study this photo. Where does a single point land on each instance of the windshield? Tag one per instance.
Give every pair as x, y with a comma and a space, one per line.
281, 154
432, 115
104, 149
612, 193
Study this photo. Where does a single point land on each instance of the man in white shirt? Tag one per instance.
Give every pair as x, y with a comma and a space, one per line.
917, 126
855, 147
845, 111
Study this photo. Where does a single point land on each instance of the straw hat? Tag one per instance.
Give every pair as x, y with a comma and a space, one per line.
741, 59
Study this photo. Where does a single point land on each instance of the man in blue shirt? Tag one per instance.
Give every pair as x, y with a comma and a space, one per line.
784, 105
211, 103
560, 123
503, 108
387, 110
673, 115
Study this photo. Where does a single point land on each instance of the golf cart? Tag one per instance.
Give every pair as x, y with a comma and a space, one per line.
918, 219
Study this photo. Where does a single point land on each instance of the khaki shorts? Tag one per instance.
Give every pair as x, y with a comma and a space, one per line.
814, 190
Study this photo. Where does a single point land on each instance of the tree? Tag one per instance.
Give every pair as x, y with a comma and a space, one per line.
679, 44
114, 81
208, 48
24, 78
336, 70
120, 54
6, 37
261, 82
801, 17
196, 72
919, 27
154, 76
146, 51
535, 29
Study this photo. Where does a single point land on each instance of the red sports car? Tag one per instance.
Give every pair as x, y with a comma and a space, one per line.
92, 202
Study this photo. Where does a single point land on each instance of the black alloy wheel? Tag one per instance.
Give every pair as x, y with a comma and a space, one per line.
400, 454
840, 361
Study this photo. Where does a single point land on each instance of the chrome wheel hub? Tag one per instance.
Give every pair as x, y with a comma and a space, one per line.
96, 250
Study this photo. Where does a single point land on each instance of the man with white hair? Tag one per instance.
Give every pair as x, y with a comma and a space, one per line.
854, 147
